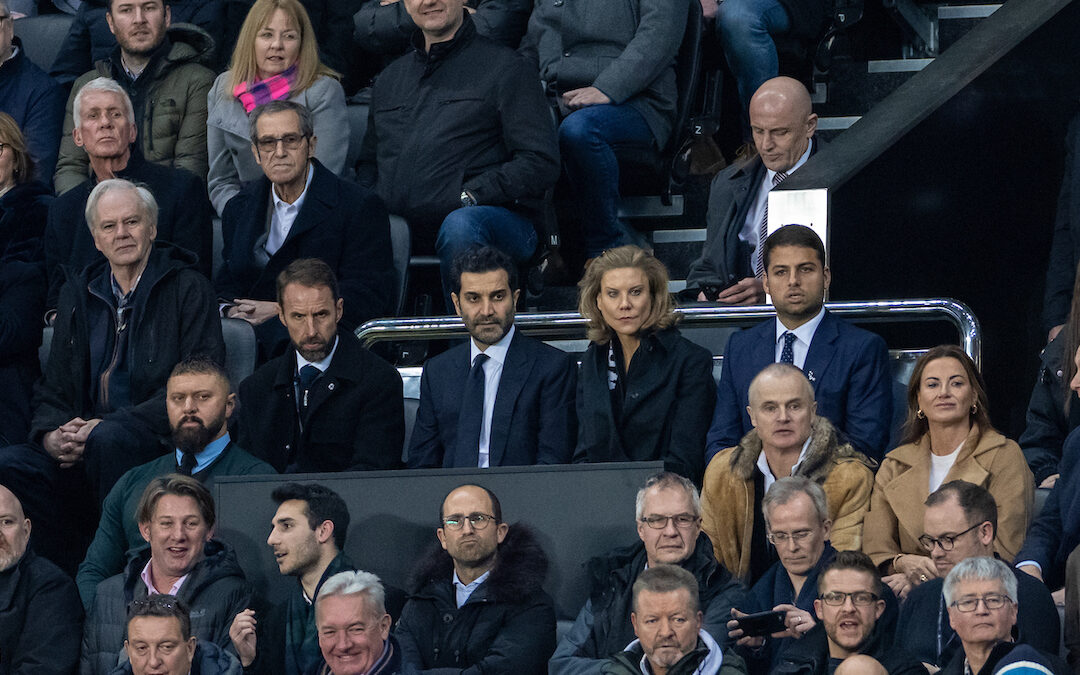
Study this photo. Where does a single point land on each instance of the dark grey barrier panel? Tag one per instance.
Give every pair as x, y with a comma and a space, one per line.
578, 511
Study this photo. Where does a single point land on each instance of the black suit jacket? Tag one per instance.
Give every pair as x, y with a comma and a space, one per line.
355, 419
340, 222
533, 419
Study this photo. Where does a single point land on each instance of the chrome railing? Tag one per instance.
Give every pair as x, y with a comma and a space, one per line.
570, 325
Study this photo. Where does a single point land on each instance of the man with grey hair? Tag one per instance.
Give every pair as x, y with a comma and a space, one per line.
789, 438
668, 514
667, 622
105, 127
99, 410
300, 209
353, 626
981, 596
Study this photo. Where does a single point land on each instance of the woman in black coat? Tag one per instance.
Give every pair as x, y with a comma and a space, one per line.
644, 392
24, 202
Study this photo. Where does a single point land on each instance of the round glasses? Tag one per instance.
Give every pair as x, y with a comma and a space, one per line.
945, 541
479, 521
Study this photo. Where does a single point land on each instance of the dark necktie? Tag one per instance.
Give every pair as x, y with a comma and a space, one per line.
763, 229
471, 418
308, 375
187, 463
787, 354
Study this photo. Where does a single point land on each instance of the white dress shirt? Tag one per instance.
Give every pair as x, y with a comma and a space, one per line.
804, 335
749, 231
283, 215
763, 465
463, 591
493, 369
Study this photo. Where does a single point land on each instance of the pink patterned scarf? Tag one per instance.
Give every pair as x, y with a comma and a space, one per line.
274, 88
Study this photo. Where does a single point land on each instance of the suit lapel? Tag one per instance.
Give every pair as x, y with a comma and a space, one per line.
822, 349
514, 373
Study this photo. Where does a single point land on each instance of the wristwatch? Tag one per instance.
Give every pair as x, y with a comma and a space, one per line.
467, 199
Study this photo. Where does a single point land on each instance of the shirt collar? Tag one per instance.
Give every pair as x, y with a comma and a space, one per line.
207, 455
763, 463
14, 51
769, 173
497, 351
281, 203
805, 332
321, 365
147, 577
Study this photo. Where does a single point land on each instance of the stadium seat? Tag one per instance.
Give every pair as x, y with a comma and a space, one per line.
42, 36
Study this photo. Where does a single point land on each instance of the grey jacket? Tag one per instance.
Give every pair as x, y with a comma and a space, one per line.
624, 48
229, 144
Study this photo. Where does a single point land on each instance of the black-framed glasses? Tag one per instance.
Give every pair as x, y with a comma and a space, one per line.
681, 520
991, 601
270, 144
479, 521
4, 17
945, 541
858, 598
2, 145
778, 538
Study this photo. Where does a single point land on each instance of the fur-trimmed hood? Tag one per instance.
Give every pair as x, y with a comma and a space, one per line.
826, 449
520, 566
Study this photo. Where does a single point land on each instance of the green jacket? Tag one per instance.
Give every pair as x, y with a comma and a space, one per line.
629, 662
118, 532
172, 115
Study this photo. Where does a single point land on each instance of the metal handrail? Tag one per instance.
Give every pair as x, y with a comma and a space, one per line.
569, 325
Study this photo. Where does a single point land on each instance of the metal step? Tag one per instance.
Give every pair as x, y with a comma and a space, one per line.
897, 65
965, 11
837, 123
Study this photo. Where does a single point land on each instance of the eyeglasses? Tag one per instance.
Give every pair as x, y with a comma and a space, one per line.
2, 145
778, 538
681, 520
290, 141
4, 17
479, 521
992, 601
858, 598
945, 541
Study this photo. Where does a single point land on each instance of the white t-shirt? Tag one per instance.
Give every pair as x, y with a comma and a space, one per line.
940, 465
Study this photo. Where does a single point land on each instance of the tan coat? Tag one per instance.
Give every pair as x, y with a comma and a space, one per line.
728, 493
895, 521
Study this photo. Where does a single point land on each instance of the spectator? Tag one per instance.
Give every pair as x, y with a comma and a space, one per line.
24, 201
41, 618
611, 69
788, 439
512, 401
798, 524
947, 436
158, 640
1065, 245
478, 172
385, 28
477, 602
1054, 409
276, 58
164, 72
982, 600
199, 405
105, 127
853, 620
331, 20
667, 622
32, 99
847, 366
354, 628
311, 213
307, 538
123, 324
668, 514
22, 295
89, 39
327, 404
661, 408
960, 522
176, 517
731, 269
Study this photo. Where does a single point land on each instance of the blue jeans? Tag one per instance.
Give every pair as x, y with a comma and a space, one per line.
587, 140
746, 28
495, 226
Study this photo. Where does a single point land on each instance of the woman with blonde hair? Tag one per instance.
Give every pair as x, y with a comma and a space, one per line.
276, 58
644, 391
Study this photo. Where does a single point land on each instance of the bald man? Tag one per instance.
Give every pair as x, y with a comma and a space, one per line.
40, 613
788, 438
783, 123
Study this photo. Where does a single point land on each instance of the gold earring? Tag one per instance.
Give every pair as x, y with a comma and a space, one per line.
919, 414
974, 408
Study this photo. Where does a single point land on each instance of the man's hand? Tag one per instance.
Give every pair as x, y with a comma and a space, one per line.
1059, 597
735, 633
708, 8
899, 584
586, 96
748, 291
798, 621
917, 568
254, 312
1050, 481
1032, 570
242, 634
1054, 332
67, 442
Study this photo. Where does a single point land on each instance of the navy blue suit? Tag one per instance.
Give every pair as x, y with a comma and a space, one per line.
1055, 532
847, 366
533, 421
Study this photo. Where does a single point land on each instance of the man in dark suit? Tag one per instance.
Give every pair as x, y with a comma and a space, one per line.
300, 210
327, 404
783, 123
502, 399
847, 366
